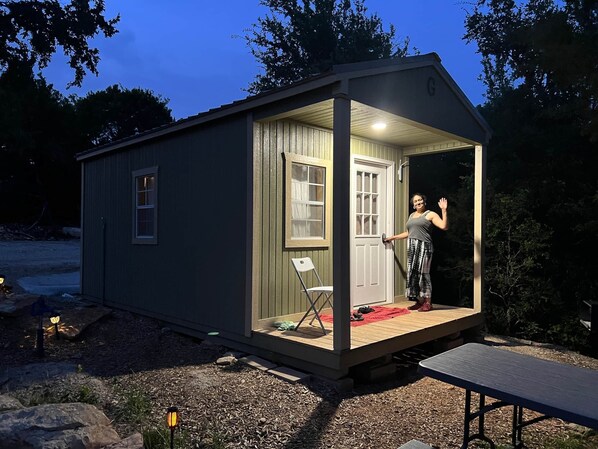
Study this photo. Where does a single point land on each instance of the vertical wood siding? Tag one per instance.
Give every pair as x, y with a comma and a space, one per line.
196, 274
277, 287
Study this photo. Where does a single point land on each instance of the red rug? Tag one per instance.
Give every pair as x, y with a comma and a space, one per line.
379, 314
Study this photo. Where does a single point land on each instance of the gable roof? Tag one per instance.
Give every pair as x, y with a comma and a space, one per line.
339, 73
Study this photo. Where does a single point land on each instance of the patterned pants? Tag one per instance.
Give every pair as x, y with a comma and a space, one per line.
419, 259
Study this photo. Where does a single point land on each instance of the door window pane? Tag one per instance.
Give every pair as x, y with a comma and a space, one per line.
367, 204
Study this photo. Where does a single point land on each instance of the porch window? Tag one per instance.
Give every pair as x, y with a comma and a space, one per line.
307, 201
145, 208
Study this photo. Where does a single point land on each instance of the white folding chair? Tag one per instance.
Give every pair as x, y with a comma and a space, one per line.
314, 294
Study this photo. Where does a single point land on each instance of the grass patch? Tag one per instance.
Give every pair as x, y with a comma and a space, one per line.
42, 396
134, 408
87, 395
160, 439
585, 440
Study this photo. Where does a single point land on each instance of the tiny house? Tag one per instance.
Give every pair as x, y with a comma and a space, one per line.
196, 222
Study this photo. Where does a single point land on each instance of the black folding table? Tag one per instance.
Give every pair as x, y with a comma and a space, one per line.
555, 390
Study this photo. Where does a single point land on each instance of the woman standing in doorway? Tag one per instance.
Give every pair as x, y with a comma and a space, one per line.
420, 250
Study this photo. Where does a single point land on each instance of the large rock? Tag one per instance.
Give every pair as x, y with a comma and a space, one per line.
9, 403
56, 426
73, 321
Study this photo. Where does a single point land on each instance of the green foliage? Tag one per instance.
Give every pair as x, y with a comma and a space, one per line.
540, 61
547, 48
134, 407
585, 440
42, 395
60, 393
115, 113
31, 30
41, 131
87, 395
159, 438
298, 41
516, 250
37, 146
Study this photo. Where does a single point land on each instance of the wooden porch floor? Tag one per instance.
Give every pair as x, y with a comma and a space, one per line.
406, 326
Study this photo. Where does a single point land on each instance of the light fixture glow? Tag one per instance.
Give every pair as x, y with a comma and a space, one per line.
172, 417
379, 125
55, 319
2, 279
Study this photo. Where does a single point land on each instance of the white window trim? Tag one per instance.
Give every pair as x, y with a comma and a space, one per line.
136, 174
290, 242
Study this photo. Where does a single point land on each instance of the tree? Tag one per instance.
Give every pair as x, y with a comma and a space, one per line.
114, 113
297, 41
38, 171
545, 48
540, 65
30, 31
41, 131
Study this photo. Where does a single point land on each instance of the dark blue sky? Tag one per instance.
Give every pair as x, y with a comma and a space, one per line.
192, 51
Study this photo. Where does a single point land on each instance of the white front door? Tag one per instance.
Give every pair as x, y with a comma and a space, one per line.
371, 212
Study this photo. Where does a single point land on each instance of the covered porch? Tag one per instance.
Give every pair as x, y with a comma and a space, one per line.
328, 123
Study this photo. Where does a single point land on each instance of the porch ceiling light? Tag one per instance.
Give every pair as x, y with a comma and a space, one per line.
2, 279
379, 126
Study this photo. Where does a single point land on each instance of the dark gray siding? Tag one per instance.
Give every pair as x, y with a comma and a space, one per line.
196, 274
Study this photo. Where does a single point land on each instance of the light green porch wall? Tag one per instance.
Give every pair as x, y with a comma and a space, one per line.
278, 290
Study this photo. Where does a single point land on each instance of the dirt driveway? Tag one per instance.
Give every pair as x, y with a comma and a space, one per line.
32, 258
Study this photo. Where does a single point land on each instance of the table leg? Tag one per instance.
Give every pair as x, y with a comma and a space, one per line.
516, 434
467, 419
471, 416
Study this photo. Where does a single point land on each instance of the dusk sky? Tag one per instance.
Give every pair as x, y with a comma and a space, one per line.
193, 52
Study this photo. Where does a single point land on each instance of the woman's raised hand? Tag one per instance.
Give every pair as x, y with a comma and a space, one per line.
443, 203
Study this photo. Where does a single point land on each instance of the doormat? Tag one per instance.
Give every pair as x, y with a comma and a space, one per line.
379, 314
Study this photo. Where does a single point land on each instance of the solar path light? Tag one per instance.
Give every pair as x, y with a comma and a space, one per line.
55, 319
172, 419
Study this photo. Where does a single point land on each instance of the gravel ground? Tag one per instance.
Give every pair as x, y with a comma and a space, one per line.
238, 406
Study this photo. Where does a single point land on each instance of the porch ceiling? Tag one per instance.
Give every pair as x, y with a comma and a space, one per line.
399, 131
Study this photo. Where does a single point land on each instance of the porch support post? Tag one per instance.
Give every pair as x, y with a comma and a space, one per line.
341, 222
479, 226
